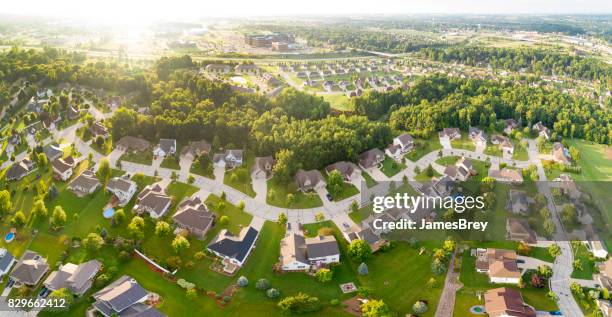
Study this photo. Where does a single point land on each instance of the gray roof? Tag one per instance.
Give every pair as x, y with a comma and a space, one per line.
83, 274
405, 138
343, 167
193, 213
120, 183
262, 162
141, 310
6, 258
119, 295
321, 246
371, 157
231, 247
52, 151
293, 247
19, 170
312, 177
133, 143
98, 129
167, 145
30, 268
154, 197
86, 180
60, 165
196, 148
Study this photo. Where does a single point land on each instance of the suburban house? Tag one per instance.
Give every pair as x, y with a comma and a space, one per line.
6, 261
505, 302
232, 249
507, 175
229, 159
165, 147
309, 180
247, 69
62, 168
196, 148
299, 253
76, 278
604, 277
401, 145
84, 184
371, 158
437, 187
123, 188
499, 264
478, 136
193, 215
130, 143
124, 297
605, 306
30, 269
53, 152
462, 170
597, 248
519, 230
517, 202
97, 129
450, 133
542, 130
366, 234
504, 143
263, 167
568, 186
560, 154
20, 170
152, 199
511, 124
348, 170
217, 68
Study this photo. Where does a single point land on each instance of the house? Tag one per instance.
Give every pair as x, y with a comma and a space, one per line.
507, 175
437, 187
349, 171
76, 278
366, 234
97, 129
462, 170
478, 136
229, 159
196, 148
293, 253
234, 250
517, 202
130, 143
504, 143
309, 180
450, 133
6, 261
53, 152
165, 147
568, 186
30, 269
519, 230
247, 69
402, 144
217, 68
322, 250
153, 199
499, 264
605, 306
597, 248
560, 154
506, 302
541, 130
20, 170
124, 297
193, 215
72, 113
604, 277
511, 124
84, 184
123, 188
62, 168
263, 167
371, 158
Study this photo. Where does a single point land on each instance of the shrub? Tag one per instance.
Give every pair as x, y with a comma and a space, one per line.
243, 281
262, 284
272, 293
419, 307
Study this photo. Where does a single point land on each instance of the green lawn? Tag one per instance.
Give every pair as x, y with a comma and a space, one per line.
520, 152
348, 190
448, 160
390, 167
493, 149
240, 177
463, 143
145, 157
339, 102
171, 162
584, 256
277, 196
199, 170
424, 146
370, 182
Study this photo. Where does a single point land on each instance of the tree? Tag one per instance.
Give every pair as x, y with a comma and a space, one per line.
568, 214
545, 271
554, 250
41, 189
162, 228
359, 250
549, 227
419, 307
53, 191
354, 206
272, 293
487, 184
576, 288
180, 243
319, 216
363, 269
243, 281
18, 219
262, 284
432, 283
523, 248
64, 295
375, 308
5, 202
224, 220
93, 242
552, 296
58, 217
286, 165
290, 199
438, 267
429, 171
39, 209
324, 275
536, 281
577, 265
104, 171
191, 293
42, 161
299, 303
119, 216
335, 183
282, 218
136, 228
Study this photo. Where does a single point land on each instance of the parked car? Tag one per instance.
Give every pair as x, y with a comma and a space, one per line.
329, 197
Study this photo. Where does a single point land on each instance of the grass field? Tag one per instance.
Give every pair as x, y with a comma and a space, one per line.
145, 157
170, 162
280, 192
390, 167
584, 256
339, 102
424, 146
240, 177
463, 143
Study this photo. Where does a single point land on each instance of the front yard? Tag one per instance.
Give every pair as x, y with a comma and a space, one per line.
423, 147
390, 167
464, 143
277, 196
145, 158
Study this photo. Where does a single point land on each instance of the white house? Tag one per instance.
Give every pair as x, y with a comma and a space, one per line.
402, 144
7, 260
229, 159
322, 250
165, 147
62, 168
123, 188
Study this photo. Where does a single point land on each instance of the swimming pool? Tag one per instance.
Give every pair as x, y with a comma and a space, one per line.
9, 237
108, 212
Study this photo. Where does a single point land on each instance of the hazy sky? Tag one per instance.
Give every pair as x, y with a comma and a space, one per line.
142, 11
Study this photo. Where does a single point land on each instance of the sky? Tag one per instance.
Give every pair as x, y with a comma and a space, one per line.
152, 10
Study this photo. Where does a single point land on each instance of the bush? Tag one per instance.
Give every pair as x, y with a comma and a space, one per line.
334, 302
243, 281
272, 293
362, 269
262, 284
299, 303
419, 307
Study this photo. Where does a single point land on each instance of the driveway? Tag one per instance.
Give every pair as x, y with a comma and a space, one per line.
114, 156
530, 263
323, 195
377, 175
260, 186
445, 142
156, 162
219, 173
480, 148
185, 162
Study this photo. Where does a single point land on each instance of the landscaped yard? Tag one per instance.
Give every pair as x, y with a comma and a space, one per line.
171, 162
424, 146
370, 182
447, 160
348, 190
339, 102
584, 256
463, 143
145, 157
240, 177
390, 167
277, 196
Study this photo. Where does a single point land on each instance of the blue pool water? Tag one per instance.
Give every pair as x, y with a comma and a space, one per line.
9, 237
108, 213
